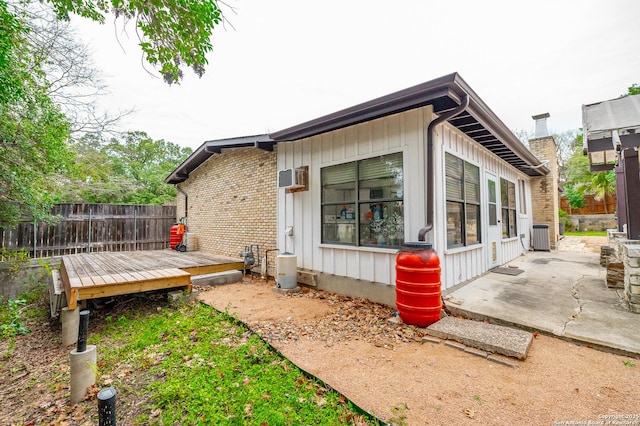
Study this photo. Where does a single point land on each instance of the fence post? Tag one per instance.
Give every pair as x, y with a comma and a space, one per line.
89, 236
35, 233
135, 229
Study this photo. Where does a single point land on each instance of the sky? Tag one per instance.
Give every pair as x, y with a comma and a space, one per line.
284, 62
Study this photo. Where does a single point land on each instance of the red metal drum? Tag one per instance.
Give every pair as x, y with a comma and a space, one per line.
418, 293
175, 238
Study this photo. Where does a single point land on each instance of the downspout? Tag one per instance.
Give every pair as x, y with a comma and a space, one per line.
464, 103
186, 200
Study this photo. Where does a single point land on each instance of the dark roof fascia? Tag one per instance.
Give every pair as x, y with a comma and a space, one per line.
444, 93
403, 100
492, 122
208, 148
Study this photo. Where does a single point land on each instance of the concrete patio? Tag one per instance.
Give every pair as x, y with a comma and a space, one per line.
561, 293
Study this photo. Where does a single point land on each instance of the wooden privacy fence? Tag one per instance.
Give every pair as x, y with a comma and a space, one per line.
85, 228
591, 205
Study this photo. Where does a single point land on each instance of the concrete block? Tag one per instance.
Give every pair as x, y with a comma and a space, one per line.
175, 296
632, 279
427, 339
218, 278
631, 250
70, 325
476, 352
455, 345
632, 298
502, 360
634, 289
633, 262
634, 307
82, 372
487, 337
307, 278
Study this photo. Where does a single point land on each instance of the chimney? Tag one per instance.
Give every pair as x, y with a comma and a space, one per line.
541, 125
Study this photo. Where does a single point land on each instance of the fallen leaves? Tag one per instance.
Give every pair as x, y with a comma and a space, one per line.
348, 319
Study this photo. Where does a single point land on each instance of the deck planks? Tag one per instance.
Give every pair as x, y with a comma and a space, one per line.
93, 275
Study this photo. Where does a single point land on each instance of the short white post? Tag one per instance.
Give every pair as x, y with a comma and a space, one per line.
83, 362
83, 372
70, 323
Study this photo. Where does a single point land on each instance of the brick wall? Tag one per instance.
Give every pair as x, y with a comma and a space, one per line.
232, 201
544, 190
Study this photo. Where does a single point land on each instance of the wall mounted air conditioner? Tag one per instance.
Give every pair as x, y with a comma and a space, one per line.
291, 179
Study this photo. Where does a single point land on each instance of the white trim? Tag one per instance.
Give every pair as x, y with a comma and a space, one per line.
359, 248
455, 250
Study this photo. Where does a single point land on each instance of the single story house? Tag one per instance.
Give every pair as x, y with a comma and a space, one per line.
431, 162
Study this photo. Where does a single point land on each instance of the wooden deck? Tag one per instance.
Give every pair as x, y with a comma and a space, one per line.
93, 275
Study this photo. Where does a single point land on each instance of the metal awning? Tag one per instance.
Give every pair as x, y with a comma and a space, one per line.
608, 128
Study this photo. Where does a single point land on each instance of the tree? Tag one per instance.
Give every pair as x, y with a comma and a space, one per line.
582, 181
172, 33
602, 185
39, 80
564, 148
33, 130
127, 169
634, 89
574, 198
72, 80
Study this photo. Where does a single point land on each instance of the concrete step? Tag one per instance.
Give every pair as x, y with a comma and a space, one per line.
486, 337
218, 278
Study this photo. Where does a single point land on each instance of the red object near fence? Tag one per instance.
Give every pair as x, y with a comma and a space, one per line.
177, 231
418, 292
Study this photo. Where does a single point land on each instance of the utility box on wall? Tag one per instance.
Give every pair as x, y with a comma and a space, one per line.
294, 180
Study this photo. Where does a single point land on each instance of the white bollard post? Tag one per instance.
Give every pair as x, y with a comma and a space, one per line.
70, 323
83, 372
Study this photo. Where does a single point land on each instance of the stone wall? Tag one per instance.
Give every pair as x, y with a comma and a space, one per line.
593, 222
623, 267
232, 201
631, 258
15, 280
544, 190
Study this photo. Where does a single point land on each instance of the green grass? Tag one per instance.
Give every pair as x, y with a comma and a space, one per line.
194, 365
586, 233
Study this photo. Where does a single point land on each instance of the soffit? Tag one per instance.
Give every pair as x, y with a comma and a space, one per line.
609, 127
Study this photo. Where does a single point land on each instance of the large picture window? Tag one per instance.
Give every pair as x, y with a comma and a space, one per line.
362, 202
508, 199
463, 202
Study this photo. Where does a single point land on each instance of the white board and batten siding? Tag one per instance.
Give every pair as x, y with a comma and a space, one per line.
403, 132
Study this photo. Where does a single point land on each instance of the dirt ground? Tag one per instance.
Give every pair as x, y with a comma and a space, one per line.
386, 370
381, 367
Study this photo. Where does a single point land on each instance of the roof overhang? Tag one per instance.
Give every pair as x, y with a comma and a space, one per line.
209, 148
444, 93
608, 128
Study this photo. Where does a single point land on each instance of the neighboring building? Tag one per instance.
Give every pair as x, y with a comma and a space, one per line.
431, 158
611, 139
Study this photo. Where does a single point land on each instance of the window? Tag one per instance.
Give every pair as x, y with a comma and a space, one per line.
523, 204
508, 199
463, 202
362, 202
